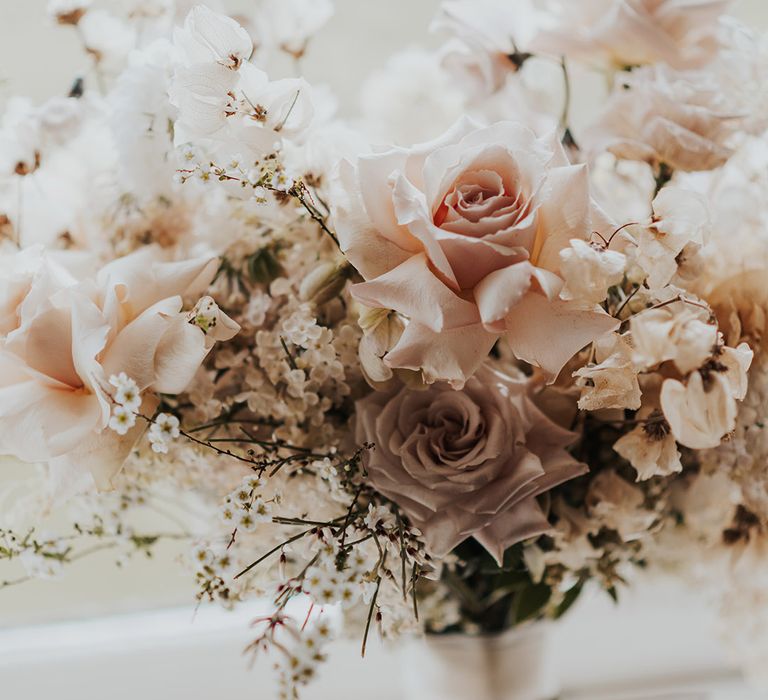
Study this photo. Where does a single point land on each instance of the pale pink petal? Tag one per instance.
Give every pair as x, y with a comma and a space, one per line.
501, 290
367, 249
452, 355
411, 211
525, 520
133, 350
412, 289
549, 333
104, 453
137, 281
38, 423
564, 214
179, 353
374, 173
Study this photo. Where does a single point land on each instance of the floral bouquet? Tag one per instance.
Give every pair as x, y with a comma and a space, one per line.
441, 384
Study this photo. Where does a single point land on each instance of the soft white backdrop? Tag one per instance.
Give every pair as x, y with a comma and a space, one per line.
666, 631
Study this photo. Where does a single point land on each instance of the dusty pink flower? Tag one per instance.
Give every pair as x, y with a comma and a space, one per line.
62, 338
466, 463
680, 33
462, 236
658, 116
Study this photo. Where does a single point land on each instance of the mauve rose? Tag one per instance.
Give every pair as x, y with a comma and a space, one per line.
462, 236
61, 338
466, 463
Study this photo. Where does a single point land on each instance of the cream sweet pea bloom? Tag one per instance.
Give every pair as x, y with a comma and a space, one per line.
487, 35
702, 411
224, 100
619, 505
680, 220
619, 33
466, 463
612, 381
679, 332
463, 236
61, 339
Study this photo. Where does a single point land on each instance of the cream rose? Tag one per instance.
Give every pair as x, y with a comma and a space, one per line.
680, 33
466, 463
462, 236
62, 338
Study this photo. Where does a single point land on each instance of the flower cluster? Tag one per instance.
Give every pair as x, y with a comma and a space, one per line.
439, 385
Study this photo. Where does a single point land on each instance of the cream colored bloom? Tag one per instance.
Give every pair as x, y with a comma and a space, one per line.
488, 35
612, 381
588, 270
224, 99
702, 411
680, 219
651, 449
681, 120
679, 332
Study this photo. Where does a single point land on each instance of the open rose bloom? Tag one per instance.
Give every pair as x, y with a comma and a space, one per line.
62, 339
468, 463
463, 237
441, 364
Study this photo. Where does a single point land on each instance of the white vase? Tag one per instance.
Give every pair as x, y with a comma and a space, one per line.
515, 665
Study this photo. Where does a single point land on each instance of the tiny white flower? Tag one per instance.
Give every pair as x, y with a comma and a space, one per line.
253, 482
122, 420
282, 181
202, 555
228, 514
261, 511
164, 429
126, 391
247, 521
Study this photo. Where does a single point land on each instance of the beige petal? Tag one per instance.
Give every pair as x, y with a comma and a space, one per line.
413, 290
535, 321
452, 355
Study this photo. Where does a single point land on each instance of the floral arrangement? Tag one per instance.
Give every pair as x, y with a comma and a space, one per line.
442, 383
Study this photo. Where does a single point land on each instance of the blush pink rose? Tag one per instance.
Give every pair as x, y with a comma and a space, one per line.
62, 338
466, 463
462, 236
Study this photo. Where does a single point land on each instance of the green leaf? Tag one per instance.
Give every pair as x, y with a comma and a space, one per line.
530, 602
613, 593
569, 599
263, 266
512, 580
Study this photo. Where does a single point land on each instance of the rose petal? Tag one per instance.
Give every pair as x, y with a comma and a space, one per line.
535, 321
452, 355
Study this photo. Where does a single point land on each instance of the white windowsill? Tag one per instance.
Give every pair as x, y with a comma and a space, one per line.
657, 645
